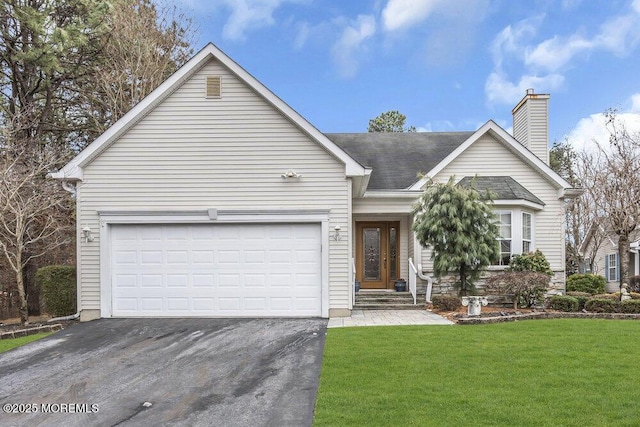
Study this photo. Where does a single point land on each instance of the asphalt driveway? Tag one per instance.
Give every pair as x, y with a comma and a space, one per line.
184, 372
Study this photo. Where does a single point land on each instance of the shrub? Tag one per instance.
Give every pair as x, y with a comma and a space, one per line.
590, 283
527, 287
599, 305
630, 306
532, 261
58, 283
612, 297
634, 284
446, 302
634, 295
582, 298
564, 303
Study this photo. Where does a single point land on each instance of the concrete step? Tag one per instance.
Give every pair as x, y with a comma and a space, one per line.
381, 300
389, 306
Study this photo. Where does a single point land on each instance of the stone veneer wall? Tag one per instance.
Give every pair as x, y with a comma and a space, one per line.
445, 284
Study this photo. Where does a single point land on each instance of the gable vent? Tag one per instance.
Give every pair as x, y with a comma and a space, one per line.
214, 86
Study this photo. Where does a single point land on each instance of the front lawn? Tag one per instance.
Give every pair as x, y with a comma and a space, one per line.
8, 344
563, 372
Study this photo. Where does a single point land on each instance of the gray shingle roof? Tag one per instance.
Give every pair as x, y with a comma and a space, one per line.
503, 187
398, 158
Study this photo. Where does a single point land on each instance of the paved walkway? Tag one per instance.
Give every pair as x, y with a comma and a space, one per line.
387, 318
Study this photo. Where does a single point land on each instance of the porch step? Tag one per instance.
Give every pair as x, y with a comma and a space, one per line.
381, 300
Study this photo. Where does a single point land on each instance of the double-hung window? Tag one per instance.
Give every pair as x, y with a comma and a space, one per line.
504, 225
612, 267
526, 232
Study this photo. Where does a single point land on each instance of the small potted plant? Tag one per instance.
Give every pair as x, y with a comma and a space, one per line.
401, 285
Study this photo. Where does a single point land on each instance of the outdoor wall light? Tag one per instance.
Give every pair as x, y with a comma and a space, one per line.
336, 235
290, 174
86, 234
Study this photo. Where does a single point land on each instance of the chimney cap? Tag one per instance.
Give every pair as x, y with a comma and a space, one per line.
530, 91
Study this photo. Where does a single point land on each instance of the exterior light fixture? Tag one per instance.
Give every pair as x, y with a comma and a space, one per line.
290, 174
86, 234
336, 235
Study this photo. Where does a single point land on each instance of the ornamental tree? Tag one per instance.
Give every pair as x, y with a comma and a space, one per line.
458, 224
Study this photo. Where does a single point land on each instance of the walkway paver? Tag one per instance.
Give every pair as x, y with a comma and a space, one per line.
388, 318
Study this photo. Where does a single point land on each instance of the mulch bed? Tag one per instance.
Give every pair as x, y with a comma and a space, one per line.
502, 314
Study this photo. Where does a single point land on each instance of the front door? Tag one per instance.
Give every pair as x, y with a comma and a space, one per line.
377, 260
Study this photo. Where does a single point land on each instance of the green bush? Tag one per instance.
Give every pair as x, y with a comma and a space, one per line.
612, 297
532, 261
58, 284
634, 284
630, 306
582, 298
590, 283
446, 302
599, 305
634, 295
564, 303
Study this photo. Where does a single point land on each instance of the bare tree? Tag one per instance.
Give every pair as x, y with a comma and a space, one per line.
34, 210
147, 43
612, 177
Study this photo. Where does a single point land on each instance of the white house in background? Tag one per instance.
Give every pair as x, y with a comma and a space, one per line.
213, 197
600, 249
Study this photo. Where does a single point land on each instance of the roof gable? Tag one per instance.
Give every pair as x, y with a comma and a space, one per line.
504, 138
73, 169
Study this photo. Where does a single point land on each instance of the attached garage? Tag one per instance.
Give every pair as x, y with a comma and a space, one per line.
221, 270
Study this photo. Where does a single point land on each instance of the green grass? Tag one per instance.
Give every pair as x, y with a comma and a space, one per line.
564, 372
8, 344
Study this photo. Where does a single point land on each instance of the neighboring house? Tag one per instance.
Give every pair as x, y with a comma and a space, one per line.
213, 197
600, 252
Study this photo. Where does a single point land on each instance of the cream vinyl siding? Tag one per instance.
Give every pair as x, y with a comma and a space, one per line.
490, 158
194, 152
530, 123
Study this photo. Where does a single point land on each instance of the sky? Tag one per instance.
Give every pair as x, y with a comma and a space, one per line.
448, 65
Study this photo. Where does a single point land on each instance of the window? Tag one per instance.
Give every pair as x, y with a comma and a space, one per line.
526, 232
612, 267
504, 226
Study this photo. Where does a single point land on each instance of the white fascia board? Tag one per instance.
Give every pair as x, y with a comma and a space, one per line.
390, 194
510, 142
73, 169
519, 202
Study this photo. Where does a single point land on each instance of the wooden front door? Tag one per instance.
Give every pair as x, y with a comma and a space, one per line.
377, 254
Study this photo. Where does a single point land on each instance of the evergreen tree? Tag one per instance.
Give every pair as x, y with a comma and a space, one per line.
390, 121
458, 224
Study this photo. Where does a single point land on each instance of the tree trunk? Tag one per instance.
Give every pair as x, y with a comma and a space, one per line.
463, 281
623, 255
24, 309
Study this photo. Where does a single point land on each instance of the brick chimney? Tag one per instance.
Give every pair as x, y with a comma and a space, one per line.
531, 123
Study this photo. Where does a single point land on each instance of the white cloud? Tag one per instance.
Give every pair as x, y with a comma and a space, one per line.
347, 51
545, 62
590, 129
248, 15
402, 14
500, 90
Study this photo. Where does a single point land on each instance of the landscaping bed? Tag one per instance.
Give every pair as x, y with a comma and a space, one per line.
13, 328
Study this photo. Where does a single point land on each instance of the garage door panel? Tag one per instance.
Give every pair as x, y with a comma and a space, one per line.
216, 270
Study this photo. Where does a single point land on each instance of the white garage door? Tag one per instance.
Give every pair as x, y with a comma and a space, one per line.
216, 270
